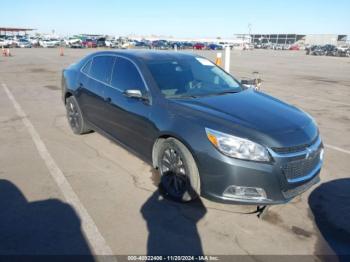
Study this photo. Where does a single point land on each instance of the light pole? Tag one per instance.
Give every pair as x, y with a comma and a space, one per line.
250, 31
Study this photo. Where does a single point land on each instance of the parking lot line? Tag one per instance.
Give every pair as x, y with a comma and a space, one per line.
95, 238
338, 149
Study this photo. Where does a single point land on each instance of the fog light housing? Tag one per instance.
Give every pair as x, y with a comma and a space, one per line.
245, 193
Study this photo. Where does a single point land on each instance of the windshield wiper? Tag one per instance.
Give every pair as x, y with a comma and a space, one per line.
226, 92
183, 96
221, 93
204, 95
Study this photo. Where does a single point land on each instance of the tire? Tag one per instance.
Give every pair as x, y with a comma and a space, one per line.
179, 176
75, 117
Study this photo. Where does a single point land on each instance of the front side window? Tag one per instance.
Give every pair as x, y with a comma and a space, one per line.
101, 68
191, 76
126, 76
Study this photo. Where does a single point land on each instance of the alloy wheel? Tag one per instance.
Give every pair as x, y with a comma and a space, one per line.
73, 116
173, 173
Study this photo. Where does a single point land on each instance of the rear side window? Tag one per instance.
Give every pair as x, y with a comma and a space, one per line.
126, 76
86, 68
101, 68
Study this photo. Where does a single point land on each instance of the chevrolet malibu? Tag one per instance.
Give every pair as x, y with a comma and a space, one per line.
202, 129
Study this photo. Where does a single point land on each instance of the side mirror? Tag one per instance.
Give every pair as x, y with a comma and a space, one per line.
135, 93
252, 83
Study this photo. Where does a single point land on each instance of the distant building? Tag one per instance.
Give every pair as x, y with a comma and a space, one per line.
14, 30
311, 39
277, 38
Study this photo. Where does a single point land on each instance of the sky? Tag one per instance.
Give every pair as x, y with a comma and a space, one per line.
178, 18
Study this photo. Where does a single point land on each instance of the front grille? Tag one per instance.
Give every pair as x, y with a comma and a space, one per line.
302, 167
300, 189
292, 149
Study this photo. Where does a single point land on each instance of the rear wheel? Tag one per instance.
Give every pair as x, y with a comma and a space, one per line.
179, 173
75, 117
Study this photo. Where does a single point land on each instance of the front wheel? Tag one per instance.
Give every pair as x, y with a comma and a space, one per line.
179, 173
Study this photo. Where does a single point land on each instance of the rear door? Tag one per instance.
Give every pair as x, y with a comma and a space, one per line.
95, 77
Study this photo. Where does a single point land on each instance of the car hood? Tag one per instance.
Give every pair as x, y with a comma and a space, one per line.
255, 115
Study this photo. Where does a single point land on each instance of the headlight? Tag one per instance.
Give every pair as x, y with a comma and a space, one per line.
237, 147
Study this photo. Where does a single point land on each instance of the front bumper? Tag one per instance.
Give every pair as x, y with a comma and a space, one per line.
288, 175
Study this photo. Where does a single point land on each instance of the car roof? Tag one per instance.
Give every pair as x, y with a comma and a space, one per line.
148, 55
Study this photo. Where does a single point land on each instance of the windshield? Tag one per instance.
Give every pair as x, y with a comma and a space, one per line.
191, 77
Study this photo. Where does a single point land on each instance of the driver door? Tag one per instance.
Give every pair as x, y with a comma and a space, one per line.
129, 119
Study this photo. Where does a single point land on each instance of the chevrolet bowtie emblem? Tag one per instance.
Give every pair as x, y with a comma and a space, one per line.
309, 152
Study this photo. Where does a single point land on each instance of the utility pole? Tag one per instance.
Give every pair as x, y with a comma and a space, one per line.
250, 31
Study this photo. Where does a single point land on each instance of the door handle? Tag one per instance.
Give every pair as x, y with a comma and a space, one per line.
108, 99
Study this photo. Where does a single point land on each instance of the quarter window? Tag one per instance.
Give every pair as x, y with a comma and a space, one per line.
101, 68
86, 68
126, 76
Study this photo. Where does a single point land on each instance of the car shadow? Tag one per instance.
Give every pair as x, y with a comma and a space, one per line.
330, 205
47, 227
172, 226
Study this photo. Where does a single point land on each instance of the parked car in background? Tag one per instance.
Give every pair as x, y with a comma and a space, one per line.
286, 47
330, 50
89, 43
199, 46
101, 42
71, 41
77, 45
9, 41
214, 47
24, 43
266, 45
277, 47
294, 48
3, 42
344, 51
34, 41
187, 45
178, 45
309, 49
160, 44
143, 45
125, 45
112, 43
50, 43
225, 44
14, 41
175, 110
316, 50
247, 46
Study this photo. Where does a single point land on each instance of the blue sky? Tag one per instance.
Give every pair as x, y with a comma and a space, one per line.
181, 18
